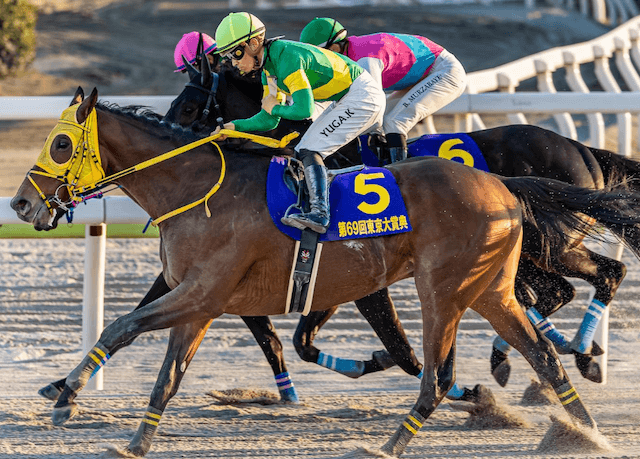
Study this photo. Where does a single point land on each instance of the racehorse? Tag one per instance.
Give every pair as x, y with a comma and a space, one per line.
519, 150
222, 254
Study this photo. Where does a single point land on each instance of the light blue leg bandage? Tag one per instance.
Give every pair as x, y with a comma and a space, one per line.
501, 345
584, 338
285, 386
347, 367
546, 327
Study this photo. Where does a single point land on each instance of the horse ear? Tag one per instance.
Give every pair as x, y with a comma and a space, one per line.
86, 106
200, 47
78, 97
205, 66
191, 70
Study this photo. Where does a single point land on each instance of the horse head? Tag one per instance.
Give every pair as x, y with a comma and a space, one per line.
213, 94
44, 195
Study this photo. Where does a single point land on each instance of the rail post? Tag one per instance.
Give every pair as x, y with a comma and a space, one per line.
93, 292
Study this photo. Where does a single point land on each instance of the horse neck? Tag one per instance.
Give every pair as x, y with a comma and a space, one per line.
164, 186
239, 98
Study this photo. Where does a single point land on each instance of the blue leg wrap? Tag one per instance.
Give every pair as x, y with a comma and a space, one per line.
347, 367
285, 386
501, 345
584, 338
455, 392
546, 327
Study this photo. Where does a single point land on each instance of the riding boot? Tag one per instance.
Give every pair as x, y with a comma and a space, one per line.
397, 145
318, 218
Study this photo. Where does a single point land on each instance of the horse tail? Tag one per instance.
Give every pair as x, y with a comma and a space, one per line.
617, 168
556, 211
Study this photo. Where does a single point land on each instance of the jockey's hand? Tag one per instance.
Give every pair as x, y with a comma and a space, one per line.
268, 103
229, 126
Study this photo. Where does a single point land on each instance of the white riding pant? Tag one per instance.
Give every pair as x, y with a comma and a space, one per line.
445, 82
359, 111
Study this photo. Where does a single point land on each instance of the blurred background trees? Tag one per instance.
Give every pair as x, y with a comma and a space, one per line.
17, 36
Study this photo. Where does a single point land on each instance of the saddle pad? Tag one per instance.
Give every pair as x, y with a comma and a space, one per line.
365, 203
456, 147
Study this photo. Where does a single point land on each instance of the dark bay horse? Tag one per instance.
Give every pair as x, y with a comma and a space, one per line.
225, 256
518, 150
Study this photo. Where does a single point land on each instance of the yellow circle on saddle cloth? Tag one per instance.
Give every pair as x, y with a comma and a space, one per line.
84, 167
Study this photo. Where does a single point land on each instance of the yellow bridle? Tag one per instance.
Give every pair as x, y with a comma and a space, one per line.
83, 172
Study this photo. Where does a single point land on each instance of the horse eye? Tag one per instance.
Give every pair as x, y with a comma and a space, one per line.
188, 110
63, 144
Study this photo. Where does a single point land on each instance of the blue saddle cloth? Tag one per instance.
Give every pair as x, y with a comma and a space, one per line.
365, 203
455, 147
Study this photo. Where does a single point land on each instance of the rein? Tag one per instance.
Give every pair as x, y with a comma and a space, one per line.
84, 182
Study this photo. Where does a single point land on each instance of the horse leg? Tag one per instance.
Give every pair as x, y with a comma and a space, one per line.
267, 338
159, 288
172, 309
184, 341
541, 293
510, 323
305, 333
380, 312
605, 274
437, 379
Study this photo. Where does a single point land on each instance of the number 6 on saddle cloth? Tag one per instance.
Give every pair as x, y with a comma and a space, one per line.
363, 202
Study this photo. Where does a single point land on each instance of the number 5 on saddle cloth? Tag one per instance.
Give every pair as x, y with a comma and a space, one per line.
363, 202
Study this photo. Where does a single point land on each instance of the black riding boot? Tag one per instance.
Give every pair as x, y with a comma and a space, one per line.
316, 178
397, 145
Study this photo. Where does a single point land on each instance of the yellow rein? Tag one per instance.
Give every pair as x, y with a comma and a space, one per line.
266, 141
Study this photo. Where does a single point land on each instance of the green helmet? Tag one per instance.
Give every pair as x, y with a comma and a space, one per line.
237, 28
322, 32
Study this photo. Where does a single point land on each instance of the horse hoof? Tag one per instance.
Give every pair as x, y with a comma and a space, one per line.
289, 396
50, 392
596, 350
500, 367
62, 414
589, 369
479, 394
383, 358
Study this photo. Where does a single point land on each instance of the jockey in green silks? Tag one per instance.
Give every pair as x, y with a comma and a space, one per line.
308, 74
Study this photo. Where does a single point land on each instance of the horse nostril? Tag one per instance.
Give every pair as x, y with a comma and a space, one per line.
20, 205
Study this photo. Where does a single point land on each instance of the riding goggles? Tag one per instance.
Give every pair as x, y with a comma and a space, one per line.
235, 54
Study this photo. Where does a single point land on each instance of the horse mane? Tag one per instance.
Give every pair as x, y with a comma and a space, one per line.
151, 121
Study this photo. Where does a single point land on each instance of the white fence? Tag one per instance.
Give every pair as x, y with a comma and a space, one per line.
623, 43
570, 64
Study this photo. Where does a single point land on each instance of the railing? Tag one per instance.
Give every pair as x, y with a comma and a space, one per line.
622, 44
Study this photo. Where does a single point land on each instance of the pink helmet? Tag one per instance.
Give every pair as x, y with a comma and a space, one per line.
188, 47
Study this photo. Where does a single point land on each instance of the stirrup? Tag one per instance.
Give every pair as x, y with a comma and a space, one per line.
302, 222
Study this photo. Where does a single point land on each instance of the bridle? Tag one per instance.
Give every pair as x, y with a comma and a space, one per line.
211, 98
83, 173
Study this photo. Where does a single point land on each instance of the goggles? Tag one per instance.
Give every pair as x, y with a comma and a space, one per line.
235, 54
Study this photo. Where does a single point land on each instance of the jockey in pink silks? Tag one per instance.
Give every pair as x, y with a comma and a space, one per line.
422, 75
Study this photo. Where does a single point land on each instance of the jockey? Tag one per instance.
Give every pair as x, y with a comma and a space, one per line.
424, 75
188, 47
308, 74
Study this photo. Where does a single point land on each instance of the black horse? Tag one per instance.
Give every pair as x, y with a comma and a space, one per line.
519, 150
